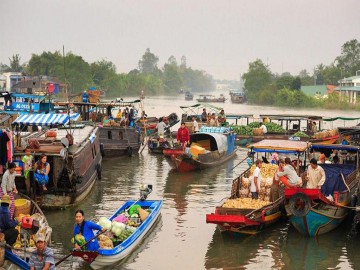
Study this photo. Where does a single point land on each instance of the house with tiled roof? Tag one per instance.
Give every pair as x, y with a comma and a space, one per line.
349, 88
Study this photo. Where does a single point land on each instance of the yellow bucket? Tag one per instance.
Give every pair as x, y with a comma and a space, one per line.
22, 206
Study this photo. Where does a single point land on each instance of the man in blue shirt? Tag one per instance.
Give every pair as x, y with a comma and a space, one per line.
85, 97
7, 225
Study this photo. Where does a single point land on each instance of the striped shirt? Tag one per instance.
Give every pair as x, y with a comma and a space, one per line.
48, 257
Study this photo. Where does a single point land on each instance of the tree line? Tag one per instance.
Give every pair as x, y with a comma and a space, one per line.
79, 75
267, 88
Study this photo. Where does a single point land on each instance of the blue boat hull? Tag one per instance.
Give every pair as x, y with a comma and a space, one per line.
315, 223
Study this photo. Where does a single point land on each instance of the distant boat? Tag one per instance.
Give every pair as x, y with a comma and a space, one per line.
211, 98
189, 96
237, 97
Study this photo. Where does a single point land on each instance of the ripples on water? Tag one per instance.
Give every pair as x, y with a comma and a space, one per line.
181, 239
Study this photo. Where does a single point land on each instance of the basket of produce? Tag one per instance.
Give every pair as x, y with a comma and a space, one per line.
22, 206
258, 131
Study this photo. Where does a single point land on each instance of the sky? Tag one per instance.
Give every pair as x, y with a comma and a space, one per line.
220, 37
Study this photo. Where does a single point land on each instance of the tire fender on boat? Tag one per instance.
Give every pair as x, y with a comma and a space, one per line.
98, 170
102, 151
299, 204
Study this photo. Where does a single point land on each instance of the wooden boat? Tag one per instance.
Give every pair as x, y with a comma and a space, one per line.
211, 98
149, 123
243, 217
189, 95
210, 147
311, 211
74, 156
106, 257
237, 97
17, 259
157, 145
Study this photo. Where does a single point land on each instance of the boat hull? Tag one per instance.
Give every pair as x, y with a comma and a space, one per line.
185, 163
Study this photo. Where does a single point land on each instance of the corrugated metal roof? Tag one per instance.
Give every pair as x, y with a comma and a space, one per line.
314, 89
348, 88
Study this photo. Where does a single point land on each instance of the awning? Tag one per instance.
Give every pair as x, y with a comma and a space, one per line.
280, 146
42, 119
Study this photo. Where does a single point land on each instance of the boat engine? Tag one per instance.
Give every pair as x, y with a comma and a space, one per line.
145, 190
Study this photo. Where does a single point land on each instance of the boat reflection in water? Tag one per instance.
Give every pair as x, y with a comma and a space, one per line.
280, 248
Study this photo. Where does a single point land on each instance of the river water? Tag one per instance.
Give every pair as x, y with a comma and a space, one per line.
181, 238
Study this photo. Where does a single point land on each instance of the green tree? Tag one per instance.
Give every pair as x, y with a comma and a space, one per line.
296, 83
332, 74
284, 82
171, 77
256, 79
15, 65
349, 60
305, 78
148, 63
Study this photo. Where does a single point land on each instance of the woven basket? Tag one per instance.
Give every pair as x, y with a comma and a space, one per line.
258, 131
22, 206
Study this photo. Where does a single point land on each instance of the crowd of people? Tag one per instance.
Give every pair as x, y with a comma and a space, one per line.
213, 120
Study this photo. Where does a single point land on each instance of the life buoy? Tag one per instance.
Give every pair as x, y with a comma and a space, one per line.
299, 204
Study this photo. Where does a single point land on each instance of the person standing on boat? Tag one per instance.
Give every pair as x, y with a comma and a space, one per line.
8, 186
160, 127
315, 175
85, 97
183, 135
213, 121
27, 167
256, 180
131, 117
85, 228
43, 256
195, 125
7, 224
221, 118
41, 171
204, 115
275, 188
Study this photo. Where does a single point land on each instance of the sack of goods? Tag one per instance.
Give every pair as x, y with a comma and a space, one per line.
244, 203
258, 131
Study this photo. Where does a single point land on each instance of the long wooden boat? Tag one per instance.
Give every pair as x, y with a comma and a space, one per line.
211, 99
210, 147
311, 211
237, 97
158, 145
106, 257
73, 154
241, 215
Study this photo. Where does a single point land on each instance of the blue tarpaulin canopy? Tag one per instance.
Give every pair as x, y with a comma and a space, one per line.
42, 119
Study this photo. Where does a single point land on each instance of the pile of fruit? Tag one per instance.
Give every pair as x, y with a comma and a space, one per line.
248, 130
301, 134
267, 170
246, 203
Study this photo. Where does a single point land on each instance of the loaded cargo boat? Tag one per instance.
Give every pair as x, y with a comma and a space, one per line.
239, 214
317, 211
209, 147
74, 157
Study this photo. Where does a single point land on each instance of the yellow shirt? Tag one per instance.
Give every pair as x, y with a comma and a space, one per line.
316, 177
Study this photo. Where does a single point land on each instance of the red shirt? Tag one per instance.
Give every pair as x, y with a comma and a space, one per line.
183, 135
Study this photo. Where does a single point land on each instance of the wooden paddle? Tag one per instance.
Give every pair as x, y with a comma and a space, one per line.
67, 256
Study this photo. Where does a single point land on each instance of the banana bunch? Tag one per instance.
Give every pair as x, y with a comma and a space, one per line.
267, 170
246, 203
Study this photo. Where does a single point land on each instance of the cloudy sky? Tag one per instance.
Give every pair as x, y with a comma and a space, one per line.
218, 36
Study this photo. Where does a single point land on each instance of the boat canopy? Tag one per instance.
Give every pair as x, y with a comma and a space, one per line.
341, 118
280, 146
44, 119
218, 141
350, 148
20, 95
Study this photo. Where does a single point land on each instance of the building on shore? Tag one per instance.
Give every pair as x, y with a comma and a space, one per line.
350, 88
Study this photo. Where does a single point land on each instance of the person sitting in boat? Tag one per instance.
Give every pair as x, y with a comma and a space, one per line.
322, 158
124, 119
160, 127
183, 135
256, 181
41, 171
315, 175
291, 178
43, 256
274, 158
131, 117
264, 128
204, 116
7, 224
85, 228
213, 121
221, 118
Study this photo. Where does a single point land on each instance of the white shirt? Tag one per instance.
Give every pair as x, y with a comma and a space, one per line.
263, 127
8, 182
195, 126
258, 175
161, 128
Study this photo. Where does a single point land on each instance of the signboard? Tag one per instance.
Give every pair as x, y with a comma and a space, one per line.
24, 106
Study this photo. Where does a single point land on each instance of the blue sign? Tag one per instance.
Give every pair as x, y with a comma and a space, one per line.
24, 106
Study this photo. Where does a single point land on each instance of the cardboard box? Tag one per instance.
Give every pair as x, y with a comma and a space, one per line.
195, 150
